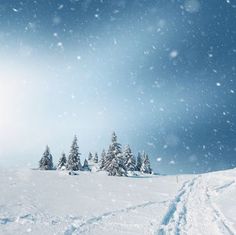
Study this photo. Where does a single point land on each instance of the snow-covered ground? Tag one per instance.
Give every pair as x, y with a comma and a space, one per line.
52, 202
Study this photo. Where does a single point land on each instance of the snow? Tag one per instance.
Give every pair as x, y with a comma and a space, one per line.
173, 54
53, 202
192, 6
15, 10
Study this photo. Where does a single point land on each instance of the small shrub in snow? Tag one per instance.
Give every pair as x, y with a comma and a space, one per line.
73, 173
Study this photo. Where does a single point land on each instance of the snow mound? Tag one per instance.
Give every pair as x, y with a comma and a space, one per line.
53, 202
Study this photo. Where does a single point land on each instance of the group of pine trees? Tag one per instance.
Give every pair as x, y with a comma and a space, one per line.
115, 161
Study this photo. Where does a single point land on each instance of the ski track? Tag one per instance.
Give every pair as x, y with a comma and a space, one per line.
86, 225
30, 214
77, 224
192, 212
225, 186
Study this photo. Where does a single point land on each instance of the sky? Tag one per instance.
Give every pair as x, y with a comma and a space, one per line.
161, 74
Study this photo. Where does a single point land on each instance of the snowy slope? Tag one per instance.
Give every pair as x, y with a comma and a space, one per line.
39, 202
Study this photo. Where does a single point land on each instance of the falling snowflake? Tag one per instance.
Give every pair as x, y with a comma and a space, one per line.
173, 54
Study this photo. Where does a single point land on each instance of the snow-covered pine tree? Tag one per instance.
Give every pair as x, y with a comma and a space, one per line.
138, 162
46, 162
95, 158
102, 160
73, 162
116, 168
86, 166
146, 167
90, 156
114, 163
129, 159
62, 162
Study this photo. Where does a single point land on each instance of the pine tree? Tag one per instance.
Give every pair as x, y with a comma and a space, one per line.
46, 162
114, 163
139, 162
95, 158
129, 159
102, 160
73, 162
145, 168
62, 162
90, 156
86, 166
116, 168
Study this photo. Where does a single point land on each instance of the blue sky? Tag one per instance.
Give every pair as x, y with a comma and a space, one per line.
159, 73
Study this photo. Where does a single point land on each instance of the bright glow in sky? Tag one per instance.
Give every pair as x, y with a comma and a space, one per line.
150, 70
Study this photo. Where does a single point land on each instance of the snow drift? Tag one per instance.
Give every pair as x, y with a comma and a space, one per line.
53, 202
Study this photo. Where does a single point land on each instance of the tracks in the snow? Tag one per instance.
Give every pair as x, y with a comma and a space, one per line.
85, 225
176, 213
192, 212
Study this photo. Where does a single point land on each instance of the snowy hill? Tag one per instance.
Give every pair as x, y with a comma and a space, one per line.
52, 202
